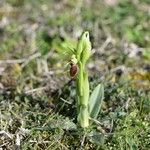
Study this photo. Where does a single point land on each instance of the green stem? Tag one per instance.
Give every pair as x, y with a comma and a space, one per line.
83, 97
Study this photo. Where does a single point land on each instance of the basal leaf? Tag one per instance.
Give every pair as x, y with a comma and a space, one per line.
96, 101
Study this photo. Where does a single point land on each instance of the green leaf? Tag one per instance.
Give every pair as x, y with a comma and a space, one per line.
96, 138
95, 101
85, 90
83, 117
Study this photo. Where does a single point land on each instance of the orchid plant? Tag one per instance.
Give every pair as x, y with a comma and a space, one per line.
88, 106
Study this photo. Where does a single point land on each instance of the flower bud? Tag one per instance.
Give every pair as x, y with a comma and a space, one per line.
86, 53
84, 48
